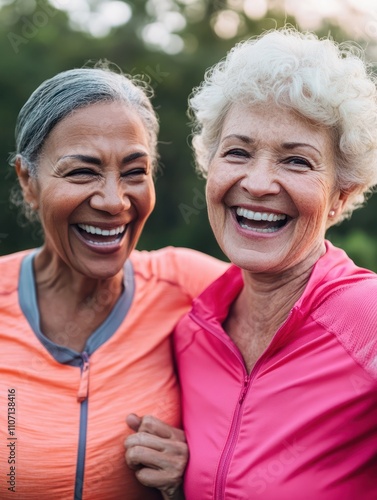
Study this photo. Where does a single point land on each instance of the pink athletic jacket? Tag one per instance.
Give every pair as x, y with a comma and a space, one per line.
303, 424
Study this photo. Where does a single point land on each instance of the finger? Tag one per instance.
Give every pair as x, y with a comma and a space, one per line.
133, 421
171, 456
153, 425
146, 440
149, 441
140, 456
162, 445
159, 479
156, 466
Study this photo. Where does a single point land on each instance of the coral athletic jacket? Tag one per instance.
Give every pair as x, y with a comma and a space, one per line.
62, 413
303, 424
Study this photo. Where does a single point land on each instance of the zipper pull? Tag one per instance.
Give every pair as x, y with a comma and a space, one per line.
84, 379
243, 394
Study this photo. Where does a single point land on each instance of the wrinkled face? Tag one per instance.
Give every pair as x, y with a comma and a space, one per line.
270, 188
94, 190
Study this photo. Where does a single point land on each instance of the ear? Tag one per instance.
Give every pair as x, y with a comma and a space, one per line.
27, 182
338, 204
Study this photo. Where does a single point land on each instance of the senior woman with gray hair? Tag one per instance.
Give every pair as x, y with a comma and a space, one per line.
85, 320
278, 357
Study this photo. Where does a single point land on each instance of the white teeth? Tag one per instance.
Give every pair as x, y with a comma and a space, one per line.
258, 230
102, 232
101, 243
270, 217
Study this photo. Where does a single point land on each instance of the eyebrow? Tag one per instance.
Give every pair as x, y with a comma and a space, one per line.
243, 138
285, 145
93, 160
293, 145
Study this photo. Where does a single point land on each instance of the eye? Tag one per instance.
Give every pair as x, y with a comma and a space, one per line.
81, 172
81, 175
135, 172
236, 153
298, 161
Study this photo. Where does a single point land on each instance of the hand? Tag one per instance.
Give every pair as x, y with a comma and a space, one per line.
158, 453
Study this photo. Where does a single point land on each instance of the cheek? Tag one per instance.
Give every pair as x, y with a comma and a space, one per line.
145, 200
57, 206
216, 216
313, 198
151, 196
211, 202
215, 189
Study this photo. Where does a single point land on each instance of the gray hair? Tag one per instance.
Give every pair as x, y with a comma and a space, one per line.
321, 80
68, 91
59, 96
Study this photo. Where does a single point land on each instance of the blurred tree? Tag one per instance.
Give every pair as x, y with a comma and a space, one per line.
171, 43
359, 246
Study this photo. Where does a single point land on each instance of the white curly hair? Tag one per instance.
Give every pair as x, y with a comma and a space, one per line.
323, 81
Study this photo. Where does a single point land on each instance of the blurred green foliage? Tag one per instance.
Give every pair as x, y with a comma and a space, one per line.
36, 42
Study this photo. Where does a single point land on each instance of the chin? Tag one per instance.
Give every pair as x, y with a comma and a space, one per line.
98, 272
252, 261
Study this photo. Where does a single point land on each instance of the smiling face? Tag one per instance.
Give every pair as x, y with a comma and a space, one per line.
270, 189
94, 189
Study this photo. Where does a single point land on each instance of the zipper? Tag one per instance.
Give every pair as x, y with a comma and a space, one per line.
82, 398
84, 379
209, 328
227, 453
226, 456
230, 444
228, 450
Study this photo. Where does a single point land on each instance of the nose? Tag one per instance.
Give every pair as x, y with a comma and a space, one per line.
111, 197
261, 179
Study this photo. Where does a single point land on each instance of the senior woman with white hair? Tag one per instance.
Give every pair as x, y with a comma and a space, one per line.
85, 320
277, 359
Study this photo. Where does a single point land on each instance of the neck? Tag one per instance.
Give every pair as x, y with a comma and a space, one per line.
55, 278
268, 298
263, 306
72, 306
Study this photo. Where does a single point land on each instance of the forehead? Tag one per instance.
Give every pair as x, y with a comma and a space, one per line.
103, 115
274, 123
100, 121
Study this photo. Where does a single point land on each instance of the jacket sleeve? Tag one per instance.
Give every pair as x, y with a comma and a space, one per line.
190, 270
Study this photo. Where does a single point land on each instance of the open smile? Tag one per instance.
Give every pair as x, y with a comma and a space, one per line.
260, 222
96, 236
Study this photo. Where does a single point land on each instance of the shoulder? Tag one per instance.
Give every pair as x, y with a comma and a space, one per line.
10, 270
339, 284
210, 307
183, 267
349, 311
